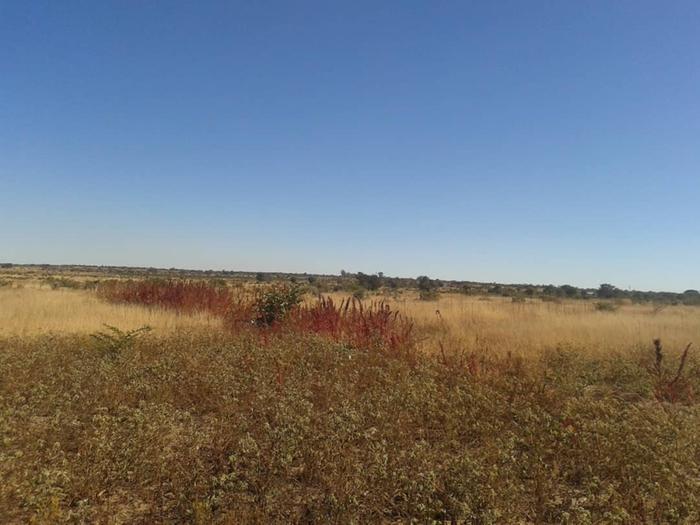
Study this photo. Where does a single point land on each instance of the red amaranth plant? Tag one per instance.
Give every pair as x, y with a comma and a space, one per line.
362, 326
671, 387
274, 309
181, 295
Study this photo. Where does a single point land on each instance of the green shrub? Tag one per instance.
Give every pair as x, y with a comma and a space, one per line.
112, 341
273, 303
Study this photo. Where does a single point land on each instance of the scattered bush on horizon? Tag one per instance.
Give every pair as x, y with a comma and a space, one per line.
369, 282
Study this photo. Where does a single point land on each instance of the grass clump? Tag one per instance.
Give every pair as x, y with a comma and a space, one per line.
606, 306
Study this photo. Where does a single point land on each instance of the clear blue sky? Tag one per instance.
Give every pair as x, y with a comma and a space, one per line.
494, 141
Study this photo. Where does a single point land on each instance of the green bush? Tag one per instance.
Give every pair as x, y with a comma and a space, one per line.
273, 303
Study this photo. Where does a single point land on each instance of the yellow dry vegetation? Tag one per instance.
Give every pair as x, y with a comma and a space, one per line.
36, 310
498, 325
454, 322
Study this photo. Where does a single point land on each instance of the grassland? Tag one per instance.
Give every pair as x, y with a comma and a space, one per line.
36, 310
492, 411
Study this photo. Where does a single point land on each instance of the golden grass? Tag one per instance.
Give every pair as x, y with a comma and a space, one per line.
499, 325
458, 322
30, 311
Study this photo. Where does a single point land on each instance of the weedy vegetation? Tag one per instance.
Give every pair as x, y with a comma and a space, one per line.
334, 410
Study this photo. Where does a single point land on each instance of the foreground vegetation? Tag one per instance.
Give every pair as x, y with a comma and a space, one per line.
297, 429
259, 404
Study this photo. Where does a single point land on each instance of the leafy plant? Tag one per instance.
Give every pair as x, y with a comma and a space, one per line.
273, 303
113, 341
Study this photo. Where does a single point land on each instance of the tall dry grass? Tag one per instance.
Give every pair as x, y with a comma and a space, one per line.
453, 322
31, 311
498, 325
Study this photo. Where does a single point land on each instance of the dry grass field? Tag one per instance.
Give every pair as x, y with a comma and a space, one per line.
34, 310
497, 326
473, 324
461, 409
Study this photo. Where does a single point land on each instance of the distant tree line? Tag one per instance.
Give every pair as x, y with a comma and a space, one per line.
360, 283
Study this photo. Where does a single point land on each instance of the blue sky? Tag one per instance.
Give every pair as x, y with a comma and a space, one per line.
544, 142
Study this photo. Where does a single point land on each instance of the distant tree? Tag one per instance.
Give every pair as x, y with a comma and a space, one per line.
551, 290
496, 289
608, 291
343, 273
425, 283
691, 297
312, 279
260, 277
568, 290
369, 282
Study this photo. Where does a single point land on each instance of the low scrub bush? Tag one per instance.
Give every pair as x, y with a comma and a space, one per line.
220, 429
274, 303
606, 306
62, 282
428, 295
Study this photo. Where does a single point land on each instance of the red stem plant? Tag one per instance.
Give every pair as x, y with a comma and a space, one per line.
180, 295
274, 309
351, 322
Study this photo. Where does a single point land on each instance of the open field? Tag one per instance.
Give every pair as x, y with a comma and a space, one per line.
459, 322
34, 310
500, 325
464, 408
